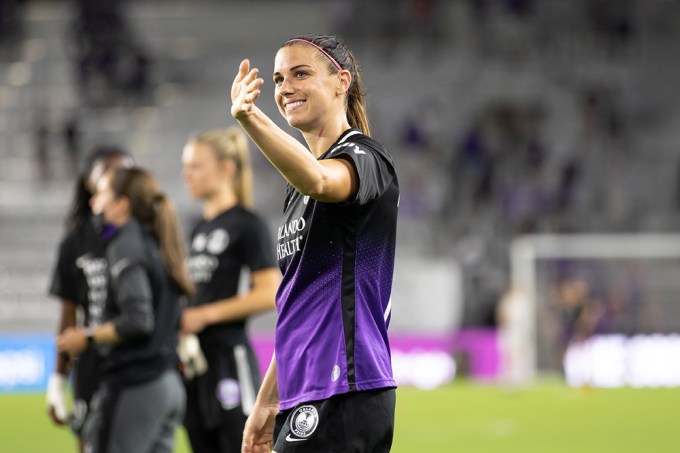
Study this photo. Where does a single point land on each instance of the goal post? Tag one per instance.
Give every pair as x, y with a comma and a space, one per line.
658, 255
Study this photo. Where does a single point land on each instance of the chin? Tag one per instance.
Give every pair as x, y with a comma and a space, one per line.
296, 122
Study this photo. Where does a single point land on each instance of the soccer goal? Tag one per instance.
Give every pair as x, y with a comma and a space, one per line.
601, 309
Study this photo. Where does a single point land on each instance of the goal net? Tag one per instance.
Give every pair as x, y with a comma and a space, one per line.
601, 310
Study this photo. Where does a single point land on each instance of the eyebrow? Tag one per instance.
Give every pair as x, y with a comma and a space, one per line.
295, 67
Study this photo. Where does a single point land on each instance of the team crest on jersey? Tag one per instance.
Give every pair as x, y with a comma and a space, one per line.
217, 241
304, 421
214, 242
228, 393
198, 244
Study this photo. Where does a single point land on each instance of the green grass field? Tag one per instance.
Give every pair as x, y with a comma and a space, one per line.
461, 417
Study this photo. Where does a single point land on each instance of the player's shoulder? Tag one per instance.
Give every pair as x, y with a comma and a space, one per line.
78, 235
237, 218
128, 244
248, 217
353, 140
235, 215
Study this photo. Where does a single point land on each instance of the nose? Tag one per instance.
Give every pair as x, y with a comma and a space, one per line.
284, 88
95, 204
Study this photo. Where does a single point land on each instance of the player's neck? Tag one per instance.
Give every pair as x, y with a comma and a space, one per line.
219, 203
321, 139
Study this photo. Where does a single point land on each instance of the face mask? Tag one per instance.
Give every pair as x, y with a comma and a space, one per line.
106, 230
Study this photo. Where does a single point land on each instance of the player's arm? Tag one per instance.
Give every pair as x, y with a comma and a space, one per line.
259, 428
330, 180
136, 319
56, 385
258, 299
73, 341
67, 320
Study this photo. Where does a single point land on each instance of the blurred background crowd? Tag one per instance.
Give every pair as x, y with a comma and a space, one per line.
505, 117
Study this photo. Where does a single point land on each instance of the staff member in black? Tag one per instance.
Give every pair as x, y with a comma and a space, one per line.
141, 399
230, 238
79, 282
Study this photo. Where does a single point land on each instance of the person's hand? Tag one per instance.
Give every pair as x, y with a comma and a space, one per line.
56, 399
258, 433
191, 355
193, 320
72, 341
245, 90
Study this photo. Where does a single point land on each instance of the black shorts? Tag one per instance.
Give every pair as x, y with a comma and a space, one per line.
219, 401
351, 422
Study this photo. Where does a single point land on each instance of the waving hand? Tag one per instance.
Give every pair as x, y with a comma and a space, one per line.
244, 90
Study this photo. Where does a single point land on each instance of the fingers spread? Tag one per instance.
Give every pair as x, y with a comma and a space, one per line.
243, 69
251, 76
254, 85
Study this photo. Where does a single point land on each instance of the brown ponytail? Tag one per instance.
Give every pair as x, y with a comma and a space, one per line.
343, 56
155, 211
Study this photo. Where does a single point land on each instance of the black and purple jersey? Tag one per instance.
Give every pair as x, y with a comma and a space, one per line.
337, 261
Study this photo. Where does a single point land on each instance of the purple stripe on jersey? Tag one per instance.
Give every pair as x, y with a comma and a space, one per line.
309, 335
373, 283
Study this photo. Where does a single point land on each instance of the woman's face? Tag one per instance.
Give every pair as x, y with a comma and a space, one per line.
104, 201
202, 173
306, 93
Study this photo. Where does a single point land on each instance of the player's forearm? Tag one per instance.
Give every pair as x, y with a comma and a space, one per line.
289, 156
68, 319
260, 298
234, 309
268, 396
106, 334
240, 307
73, 341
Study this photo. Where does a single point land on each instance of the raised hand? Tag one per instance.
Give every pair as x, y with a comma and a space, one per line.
245, 90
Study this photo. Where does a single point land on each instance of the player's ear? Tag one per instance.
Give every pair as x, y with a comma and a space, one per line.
227, 167
344, 81
124, 204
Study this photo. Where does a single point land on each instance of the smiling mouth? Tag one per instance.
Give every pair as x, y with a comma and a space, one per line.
293, 105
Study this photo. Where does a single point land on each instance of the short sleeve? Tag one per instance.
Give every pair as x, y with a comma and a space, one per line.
63, 275
372, 169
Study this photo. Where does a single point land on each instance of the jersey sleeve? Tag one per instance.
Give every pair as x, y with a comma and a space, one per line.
135, 302
125, 252
132, 291
258, 248
373, 170
63, 275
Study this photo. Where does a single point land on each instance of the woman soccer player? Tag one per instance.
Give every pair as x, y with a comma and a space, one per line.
79, 281
229, 238
141, 399
331, 374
